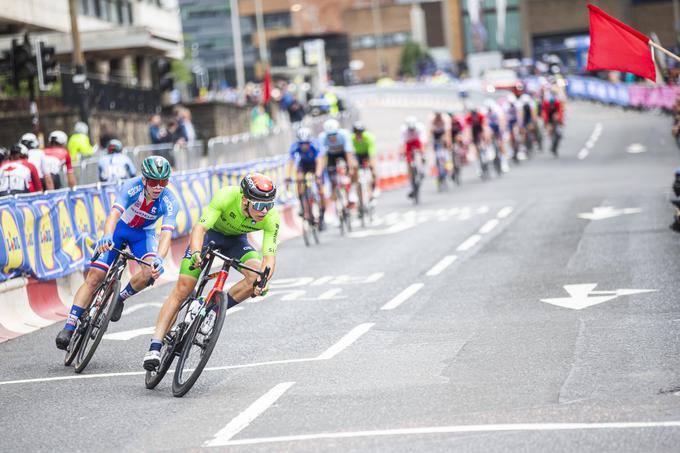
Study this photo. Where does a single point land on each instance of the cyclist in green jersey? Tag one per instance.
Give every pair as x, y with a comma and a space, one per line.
364, 148
232, 213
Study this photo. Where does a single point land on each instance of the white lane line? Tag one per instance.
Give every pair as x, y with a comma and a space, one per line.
594, 136
583, 153
503, 213
246, 417
458, 429
374, 277
402, 296
488, 226
440, 266
129, 334
469, 243
138, 307
346, 341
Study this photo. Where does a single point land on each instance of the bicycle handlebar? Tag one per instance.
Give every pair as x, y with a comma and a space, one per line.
210, 250
125, 255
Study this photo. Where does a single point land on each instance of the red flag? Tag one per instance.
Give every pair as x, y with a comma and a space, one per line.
267, 86
616, 46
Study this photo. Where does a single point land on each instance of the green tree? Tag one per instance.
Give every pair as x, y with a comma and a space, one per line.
180, 71
411, 55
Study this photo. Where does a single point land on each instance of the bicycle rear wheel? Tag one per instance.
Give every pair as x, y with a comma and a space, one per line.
98, 325
197, 347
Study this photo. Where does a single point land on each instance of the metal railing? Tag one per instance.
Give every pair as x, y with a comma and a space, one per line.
182, 157
246, 147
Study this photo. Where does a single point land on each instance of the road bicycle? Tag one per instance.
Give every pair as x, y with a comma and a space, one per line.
199, 324
341, 183
366, 206
310, 209
92, 325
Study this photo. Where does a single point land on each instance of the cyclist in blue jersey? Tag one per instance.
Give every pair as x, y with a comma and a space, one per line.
138, 206
115, 166
306, 157
336, 144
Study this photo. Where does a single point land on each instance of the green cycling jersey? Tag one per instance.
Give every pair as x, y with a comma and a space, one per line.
364, 146
224, 215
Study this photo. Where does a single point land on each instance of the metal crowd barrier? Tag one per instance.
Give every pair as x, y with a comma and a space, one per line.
244, 147
181, 157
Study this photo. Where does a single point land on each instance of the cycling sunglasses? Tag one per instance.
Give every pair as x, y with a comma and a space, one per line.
262, 205
157, 182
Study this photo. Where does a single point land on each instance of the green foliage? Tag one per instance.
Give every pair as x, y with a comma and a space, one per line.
411, 55
180, 71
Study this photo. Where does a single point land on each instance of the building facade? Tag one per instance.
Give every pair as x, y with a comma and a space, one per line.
120, 39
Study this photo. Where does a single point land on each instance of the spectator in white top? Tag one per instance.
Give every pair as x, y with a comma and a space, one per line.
36, 156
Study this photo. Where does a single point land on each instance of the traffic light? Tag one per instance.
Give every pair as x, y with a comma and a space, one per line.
166, 81
47, 65
23, 65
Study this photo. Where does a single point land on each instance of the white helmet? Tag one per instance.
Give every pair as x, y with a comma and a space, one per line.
304, 134
411, 122
81, 128
58, 137
29, 140
331, 126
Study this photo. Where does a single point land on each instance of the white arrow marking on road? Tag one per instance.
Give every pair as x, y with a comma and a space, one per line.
636, 148
583, 153
607, 212
582, 296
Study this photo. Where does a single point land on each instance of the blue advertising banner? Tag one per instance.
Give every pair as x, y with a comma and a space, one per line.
44, 235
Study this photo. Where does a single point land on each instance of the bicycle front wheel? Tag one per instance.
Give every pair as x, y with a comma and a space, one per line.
98, 325
198, 346
74, 345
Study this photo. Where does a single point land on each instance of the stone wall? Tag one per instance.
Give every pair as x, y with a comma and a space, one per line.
132, 129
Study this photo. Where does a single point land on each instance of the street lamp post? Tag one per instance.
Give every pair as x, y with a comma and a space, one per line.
377, 30
238, 45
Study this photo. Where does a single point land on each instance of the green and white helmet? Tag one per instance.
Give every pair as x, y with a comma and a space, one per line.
156, 167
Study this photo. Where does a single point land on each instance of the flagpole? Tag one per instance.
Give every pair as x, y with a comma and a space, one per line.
667, 52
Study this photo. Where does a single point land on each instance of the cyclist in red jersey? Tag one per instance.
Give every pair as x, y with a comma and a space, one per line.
57, 158
413, 139
18, 175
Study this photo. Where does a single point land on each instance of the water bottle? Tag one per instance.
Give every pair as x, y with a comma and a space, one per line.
195, 306
208, 323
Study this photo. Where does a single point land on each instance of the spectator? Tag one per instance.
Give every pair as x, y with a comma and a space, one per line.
79, 143
106, 135
115, 166
157, 132
18, 175
260, 122
58, 159
36, 156
186, 127
296, 111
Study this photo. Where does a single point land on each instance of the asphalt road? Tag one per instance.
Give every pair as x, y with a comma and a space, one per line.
445, 326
